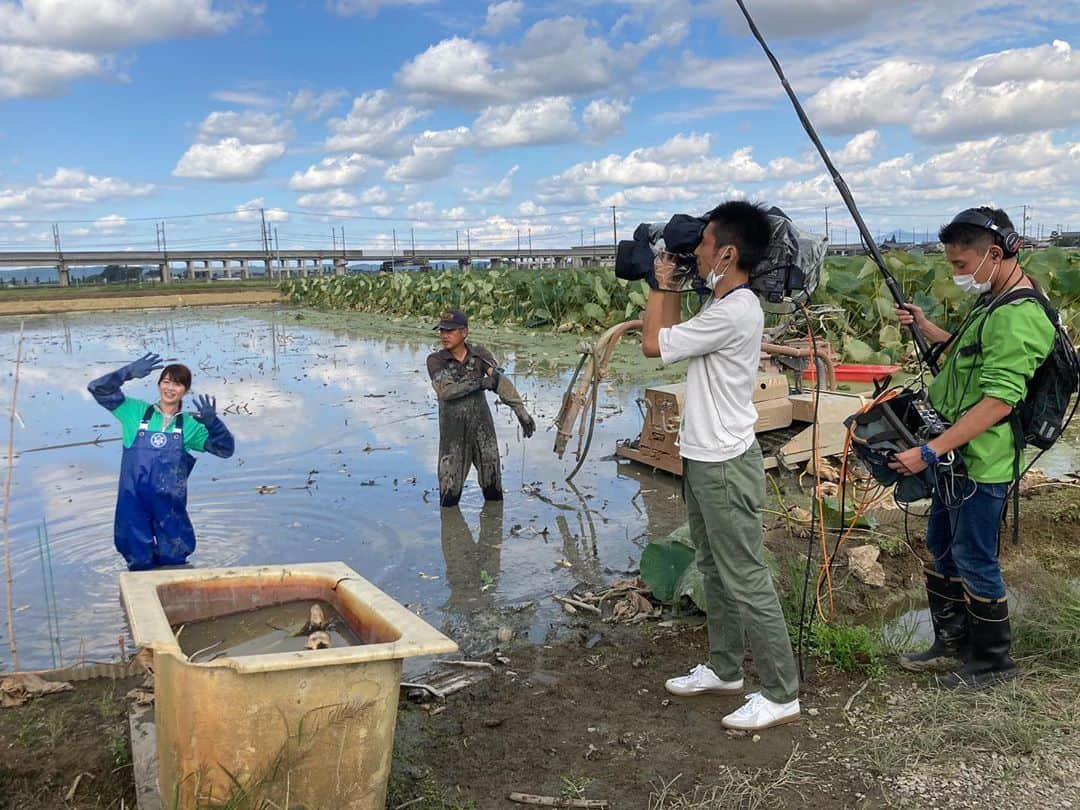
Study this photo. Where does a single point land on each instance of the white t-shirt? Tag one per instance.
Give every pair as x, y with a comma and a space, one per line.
723, 344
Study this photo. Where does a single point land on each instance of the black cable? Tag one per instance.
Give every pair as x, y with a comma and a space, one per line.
813, 511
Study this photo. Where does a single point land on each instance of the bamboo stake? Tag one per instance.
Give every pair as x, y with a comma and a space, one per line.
7, 508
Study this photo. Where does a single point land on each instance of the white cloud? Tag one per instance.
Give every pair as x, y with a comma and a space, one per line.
455, 68
105, 25
555, 57
784, 167
234, 146
805, 18
250, 212
375, 126
501, 16
311, 105
331, 172
27, 72
894, 92
110, 222
247, 127
545, 120
228, 159
328, 200
603, 118
347, 8
1011, 91
67, 187
497, 191
859, 149
245, 98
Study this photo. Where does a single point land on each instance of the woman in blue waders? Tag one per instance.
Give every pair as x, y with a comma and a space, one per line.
152, 526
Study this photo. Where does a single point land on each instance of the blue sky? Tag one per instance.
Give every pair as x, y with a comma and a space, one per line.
432, 119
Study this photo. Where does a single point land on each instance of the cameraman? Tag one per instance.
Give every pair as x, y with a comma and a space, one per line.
990, 361
723, 470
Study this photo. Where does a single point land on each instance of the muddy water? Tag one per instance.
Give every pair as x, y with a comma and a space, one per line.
336, 435
274, 629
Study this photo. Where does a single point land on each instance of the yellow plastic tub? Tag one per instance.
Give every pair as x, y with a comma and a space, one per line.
311, 729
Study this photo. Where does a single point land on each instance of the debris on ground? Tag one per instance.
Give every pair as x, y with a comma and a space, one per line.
863, 562
22, 687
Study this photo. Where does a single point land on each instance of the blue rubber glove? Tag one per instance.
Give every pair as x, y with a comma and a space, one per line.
207, 409
144, 366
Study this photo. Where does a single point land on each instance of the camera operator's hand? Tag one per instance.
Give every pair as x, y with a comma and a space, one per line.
491, 380
910, 313
664, 270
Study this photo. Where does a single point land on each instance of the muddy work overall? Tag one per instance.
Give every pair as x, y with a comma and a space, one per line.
466, 430
152, 526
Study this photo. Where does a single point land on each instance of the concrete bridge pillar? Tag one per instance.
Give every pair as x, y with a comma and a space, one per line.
165, 273
64, 274
244, 273
496, 263
339, 267
226, 270
302, 268
464, 264
189, 269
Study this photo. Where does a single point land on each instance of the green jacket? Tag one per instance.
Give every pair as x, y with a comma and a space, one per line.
130, 413
1015, 339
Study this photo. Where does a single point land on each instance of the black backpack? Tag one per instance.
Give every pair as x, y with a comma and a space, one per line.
1040, 418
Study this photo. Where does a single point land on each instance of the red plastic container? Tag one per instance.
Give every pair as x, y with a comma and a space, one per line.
855, 372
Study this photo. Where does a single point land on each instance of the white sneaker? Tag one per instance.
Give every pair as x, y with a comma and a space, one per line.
700, 680
759, 712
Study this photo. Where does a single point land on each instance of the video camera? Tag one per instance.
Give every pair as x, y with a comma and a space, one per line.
788, 274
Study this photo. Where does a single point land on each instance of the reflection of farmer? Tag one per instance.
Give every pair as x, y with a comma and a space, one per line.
471, 567
460, 374
152, 526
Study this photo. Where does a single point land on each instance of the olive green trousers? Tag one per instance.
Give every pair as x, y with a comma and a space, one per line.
723, 503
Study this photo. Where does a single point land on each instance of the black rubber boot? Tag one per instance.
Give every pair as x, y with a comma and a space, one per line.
991, 638
949, 618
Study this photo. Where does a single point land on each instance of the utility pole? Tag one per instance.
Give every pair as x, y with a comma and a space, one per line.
530, 246
346, 258
277, 250
582, 242
266, 246
457, 240
60, 275
826, 222
468, 244
1024, 233
412, 236
614, 229
333, 236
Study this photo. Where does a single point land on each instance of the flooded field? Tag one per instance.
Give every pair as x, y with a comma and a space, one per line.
336, 433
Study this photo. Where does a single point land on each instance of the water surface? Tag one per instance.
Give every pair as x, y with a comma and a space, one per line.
336, 432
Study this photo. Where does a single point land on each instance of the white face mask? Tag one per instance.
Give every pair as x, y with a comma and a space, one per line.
715, 278
967, 283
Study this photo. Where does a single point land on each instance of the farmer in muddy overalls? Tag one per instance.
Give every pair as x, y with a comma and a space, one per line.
152, 527
460, 374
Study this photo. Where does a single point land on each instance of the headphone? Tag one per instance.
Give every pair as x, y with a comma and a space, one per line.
1005, 236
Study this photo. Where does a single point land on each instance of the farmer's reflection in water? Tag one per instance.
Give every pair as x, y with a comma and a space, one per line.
472, 567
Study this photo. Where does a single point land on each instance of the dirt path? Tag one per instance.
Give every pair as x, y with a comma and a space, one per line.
151, 301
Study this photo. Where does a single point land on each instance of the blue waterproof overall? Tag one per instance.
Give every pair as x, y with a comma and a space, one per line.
152, 526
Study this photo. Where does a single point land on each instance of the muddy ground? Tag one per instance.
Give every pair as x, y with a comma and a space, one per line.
585, 715
139, 299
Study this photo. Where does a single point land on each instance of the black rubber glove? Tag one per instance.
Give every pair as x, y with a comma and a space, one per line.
528, 425
207, 409
491, 381
144, 366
